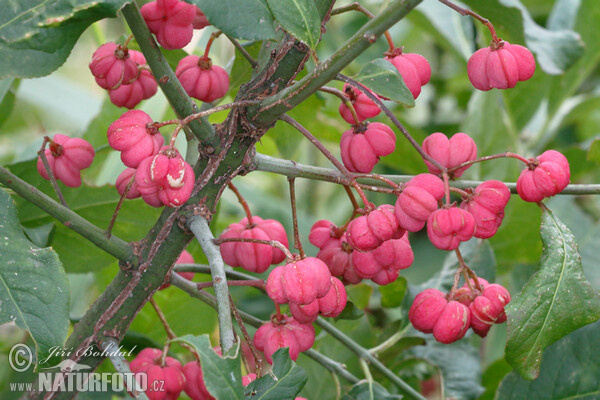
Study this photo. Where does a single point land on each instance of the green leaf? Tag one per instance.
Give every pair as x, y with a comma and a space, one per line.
369, 391
285, 380
250, 20
384, 79
34, 292
570, 370
350, 312
96, 204
8, 89
393, 294
36, 36
300, 18
222, 375
556, 300
459, 364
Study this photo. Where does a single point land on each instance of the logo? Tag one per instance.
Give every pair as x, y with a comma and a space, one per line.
20, 357
70, 376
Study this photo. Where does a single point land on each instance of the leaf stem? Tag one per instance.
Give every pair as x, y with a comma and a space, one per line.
243, 51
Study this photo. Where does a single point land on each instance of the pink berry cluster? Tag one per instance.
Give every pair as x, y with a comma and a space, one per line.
253, 257
162, 177
282, 332
66, 158
449, 317
123, 72
382, 264
170, 374
363, 145
500, 66
545, 176
167, 381
173, 22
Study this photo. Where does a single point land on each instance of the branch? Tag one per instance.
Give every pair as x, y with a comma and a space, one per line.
113, 246
280, 166
291, 96
200, 229
328, 363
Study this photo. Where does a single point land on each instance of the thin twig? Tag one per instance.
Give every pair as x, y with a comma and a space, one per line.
273, 243
342, 96
243, 51
113, 219
170, 334
357, 7
508, 154
297, 243
247, 338
259, 283
466, 11
242, 201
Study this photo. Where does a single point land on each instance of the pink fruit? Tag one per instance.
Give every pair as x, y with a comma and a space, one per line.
500, 66
369, 231
165, 179
202, 80
453, 323
545, 176
447, 227
169, 378
184, 258
418, 199
414, 68
135, 136
144, 87
123, 180
451, 152
300, 281
426, 309
383, 264
321, 232
330, 305
365, 107
194, 382
112, 66
67, 157
486, 205
253, 257
499, 297
171, 21
286, 332
361, 147
200, 21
